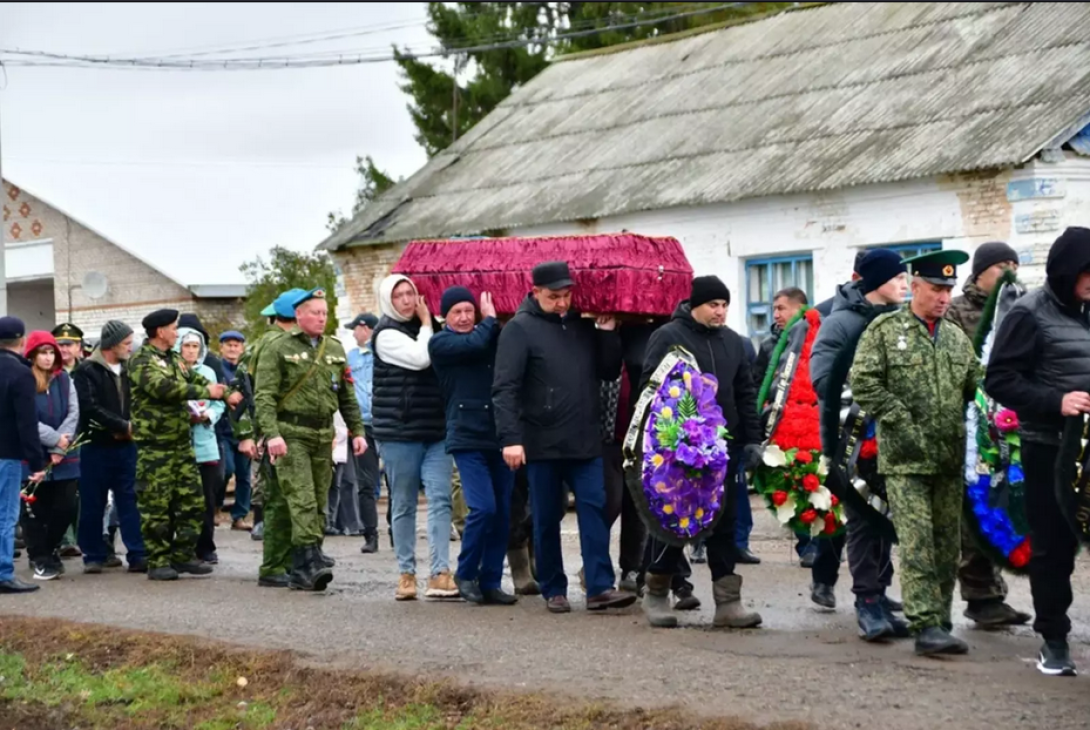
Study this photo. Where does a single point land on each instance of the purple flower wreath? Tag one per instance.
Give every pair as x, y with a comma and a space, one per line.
685, 452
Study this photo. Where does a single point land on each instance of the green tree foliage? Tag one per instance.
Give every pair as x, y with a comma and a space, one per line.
284, 270
373, 183
447, 102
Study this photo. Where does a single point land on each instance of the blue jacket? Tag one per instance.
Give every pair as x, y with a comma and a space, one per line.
362, 363
205, 440
18, 414
464, 365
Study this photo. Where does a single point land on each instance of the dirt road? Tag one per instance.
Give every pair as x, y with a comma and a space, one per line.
805, 664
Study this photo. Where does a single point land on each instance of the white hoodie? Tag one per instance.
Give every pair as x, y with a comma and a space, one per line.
394, 347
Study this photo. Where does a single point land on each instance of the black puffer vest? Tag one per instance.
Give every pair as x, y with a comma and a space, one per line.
1063, 362
407, 405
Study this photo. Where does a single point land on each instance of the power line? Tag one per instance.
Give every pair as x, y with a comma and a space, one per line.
328, 58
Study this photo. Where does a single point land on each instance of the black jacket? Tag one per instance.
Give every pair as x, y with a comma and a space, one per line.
843, 327
104, 402
18, 412
547, 385
719, 352
1041, 350
464, 364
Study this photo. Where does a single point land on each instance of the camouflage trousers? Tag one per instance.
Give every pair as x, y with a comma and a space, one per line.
276, 543
171, 501
926, 511
257, 487
303, 476
458, 509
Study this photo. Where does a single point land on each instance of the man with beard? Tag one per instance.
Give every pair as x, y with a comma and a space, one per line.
109, 457
699, 326
914, 376
878, 286
982, 584
1040, 367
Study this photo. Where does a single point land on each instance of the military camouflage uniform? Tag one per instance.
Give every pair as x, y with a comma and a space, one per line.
276, 543
168, 484
304, 419
980, 578
916, 387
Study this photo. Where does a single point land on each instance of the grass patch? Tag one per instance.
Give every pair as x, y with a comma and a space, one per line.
61, 674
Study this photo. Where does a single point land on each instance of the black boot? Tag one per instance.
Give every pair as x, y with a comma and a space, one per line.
324, 560
871, 617
370, 545
307, 572
936, 640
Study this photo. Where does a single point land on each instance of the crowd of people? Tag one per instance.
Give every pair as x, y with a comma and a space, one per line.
517, 414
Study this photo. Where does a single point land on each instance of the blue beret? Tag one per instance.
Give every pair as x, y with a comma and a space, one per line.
284, 306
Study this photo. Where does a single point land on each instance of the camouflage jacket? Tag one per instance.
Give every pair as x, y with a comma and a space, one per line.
161, 385
285, 361
967, 310
916, 388
243, 427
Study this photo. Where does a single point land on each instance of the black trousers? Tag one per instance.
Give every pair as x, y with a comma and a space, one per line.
366, 481
722, 554
869, 558
211, 479
1054, 543
54, 509
619, 504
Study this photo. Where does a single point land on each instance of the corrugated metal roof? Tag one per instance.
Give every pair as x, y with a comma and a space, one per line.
816, 99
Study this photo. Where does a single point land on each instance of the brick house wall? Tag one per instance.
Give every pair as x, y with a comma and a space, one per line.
362, 269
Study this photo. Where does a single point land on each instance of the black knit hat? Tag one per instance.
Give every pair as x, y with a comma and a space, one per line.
455, 295
708, 289
114, 333
989, 254
878, 267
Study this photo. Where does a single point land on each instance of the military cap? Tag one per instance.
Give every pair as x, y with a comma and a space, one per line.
937, 267
284, 305
317, 293
366, 318
159, 318
11, 328
232, 335
67, 332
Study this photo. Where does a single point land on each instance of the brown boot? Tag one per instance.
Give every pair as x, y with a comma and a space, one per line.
729, 612
656, 602
525, 585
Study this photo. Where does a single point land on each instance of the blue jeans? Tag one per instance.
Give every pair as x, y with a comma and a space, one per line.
743, 524
548, 505
487, 483
103, 469
408, 464
11, 476
239, 465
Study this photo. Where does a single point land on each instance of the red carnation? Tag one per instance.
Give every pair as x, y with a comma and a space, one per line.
1020, 555
31, 499
808, 516
830, 523
810, 483
804, 457
779, 498
869, 449
835, 501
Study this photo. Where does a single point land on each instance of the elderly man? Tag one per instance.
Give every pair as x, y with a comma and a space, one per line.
549, 368
699, 326
18, 443
236, 463
463, 354
302, 379
914, 375
108, 461
168, 484
362, 362
1040, 367
982, 584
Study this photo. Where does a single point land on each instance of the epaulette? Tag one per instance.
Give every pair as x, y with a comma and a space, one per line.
877, 321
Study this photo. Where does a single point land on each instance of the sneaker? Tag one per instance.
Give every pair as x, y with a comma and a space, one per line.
441, 586
93, 568
1055, 659
406, 588
258, 533
45, 570
628, 582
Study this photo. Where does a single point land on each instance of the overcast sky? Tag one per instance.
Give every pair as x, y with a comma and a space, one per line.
201, 171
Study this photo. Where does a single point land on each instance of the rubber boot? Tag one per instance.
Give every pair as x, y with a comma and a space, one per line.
525, 585
656, 602
307, 571
729, 612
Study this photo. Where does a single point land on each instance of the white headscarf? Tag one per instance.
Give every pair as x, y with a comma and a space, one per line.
386, 296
